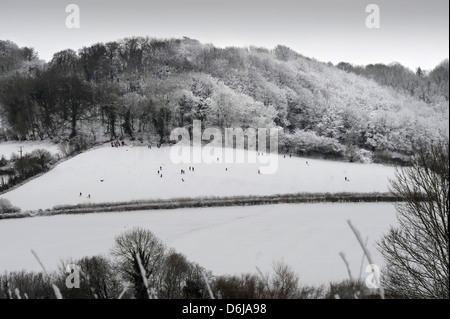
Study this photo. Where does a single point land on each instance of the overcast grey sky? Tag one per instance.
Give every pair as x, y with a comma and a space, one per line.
413, 32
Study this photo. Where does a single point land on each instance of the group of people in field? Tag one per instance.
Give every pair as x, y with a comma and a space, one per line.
182, 171
118, 143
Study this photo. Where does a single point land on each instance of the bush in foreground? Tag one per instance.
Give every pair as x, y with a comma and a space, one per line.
7, 208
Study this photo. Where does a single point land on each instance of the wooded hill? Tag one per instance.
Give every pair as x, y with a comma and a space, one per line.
141, 88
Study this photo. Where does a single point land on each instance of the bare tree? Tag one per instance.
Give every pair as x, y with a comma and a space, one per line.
417, 252
150, 249
173, 275
285, 282
98, 279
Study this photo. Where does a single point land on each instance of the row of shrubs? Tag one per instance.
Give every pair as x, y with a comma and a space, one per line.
169, 275
197, 202
309, 144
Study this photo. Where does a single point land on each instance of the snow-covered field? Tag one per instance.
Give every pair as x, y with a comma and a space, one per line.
225, 240
131, 173
8, 148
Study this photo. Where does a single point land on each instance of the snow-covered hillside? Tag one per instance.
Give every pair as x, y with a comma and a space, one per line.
131, 173
225, 240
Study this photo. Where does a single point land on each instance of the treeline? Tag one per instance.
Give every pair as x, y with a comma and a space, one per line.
428, 86
140, 266
142, 88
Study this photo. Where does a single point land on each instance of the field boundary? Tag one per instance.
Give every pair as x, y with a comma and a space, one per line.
200, 202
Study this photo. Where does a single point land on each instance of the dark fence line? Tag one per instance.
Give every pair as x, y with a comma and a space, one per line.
210, 202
